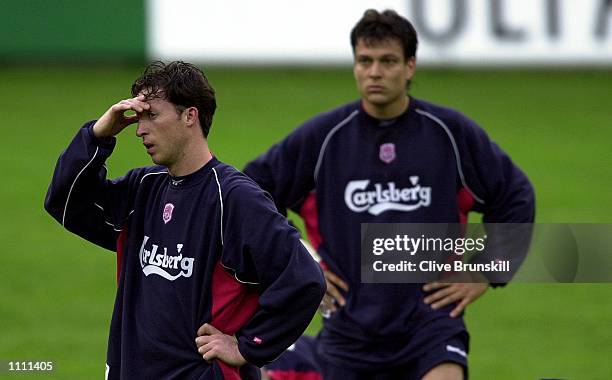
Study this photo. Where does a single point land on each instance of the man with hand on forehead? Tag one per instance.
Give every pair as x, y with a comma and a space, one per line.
388, 158
212, 280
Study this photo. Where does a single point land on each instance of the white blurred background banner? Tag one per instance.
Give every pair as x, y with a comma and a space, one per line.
451, 32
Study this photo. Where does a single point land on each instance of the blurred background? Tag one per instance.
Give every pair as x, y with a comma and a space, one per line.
537, 75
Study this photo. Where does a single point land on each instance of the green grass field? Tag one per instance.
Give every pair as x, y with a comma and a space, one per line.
58, 290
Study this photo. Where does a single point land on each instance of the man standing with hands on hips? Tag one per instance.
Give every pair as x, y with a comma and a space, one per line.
330, 170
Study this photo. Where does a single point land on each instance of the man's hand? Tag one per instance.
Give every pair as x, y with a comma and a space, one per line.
463, 293
213, 344
332, 296
114, 119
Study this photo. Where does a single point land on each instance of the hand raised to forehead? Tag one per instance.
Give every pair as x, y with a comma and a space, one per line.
114, 120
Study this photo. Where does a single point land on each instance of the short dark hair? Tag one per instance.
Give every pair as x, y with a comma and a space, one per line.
183, 85
375, 27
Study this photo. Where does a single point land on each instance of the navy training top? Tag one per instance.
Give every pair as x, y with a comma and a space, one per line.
209, 247
429, 165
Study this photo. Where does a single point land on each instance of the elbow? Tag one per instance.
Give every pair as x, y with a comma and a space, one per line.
312, 288
319, 286
51, 207
529, 202
48, 204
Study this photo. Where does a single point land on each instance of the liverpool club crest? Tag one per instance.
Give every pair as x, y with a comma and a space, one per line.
167, 216
387, 153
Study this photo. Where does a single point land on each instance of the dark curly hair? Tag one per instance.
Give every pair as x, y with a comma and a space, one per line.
375, 26
183, 85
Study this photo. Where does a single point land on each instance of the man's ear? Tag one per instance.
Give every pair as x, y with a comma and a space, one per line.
191, 116
410, 68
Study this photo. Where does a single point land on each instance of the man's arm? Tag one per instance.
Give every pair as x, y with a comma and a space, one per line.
79, 196
287, 172
287, 169
505, 195
260, 247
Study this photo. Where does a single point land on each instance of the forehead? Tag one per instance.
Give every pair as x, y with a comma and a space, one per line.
374, 47
158, 102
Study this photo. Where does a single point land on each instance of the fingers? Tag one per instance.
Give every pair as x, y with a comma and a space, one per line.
443, 297
114, 120
207, 340
335, 295
463, 293
224, 350
137, 104
209, 351
202, 340
449, 299
208, 329
327, 306
332, 291
219, 346
435, 285
335, 280
460, 307
332, 296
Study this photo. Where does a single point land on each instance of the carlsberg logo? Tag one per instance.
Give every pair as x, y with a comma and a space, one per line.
163, 264
382, 198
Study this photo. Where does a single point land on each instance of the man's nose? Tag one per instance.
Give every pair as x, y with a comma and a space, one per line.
375, 70
141, 129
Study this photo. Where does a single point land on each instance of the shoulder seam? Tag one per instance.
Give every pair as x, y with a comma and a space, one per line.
221, 259
440, 123
330, 134
220, 200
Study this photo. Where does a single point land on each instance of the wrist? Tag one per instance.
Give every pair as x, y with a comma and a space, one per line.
240, 360
239, 357
100, 132
99, 140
